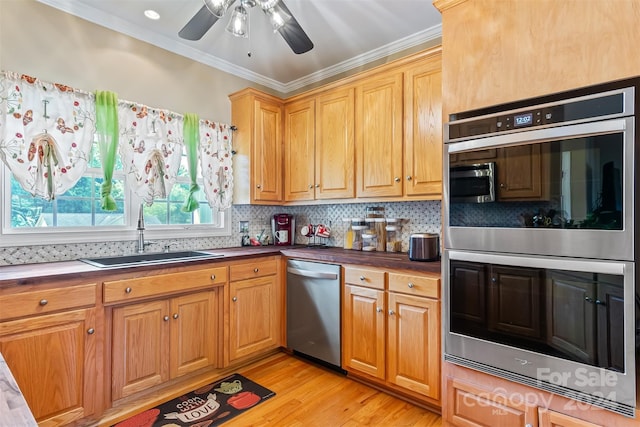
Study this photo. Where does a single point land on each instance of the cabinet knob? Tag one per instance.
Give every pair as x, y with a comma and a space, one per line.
362, 278
44, 302
501, 185
127, 291
91, 331
255, 270
317, 185
234, 299
176, 315
213, 277
165, 318
310, 185
379, 309
598, 302
396, 179
409, 178
258, 186
410, 285
391, 312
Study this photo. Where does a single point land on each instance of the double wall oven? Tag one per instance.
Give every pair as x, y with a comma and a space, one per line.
540, 282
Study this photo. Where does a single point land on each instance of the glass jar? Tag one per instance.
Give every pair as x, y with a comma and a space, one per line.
356, 244
348, 235
394, 238
375, 212
369, 241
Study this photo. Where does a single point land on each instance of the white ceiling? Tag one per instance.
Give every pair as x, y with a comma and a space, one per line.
346, 34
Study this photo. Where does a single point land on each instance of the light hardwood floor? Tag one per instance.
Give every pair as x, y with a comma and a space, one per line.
308, 395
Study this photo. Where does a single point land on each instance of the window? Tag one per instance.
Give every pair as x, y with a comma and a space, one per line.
76, 216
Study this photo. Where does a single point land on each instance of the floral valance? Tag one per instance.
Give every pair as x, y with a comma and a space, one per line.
47, 131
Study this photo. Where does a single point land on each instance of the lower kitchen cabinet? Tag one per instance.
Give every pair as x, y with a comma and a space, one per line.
550, 418
53, 355
391, 329
255, 309
160, 340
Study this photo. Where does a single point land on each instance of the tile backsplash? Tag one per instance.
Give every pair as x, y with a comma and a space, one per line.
422, 217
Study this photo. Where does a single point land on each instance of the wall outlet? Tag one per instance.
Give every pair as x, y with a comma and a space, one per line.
244, 227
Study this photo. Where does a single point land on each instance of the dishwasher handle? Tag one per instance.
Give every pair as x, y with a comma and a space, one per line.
312, 274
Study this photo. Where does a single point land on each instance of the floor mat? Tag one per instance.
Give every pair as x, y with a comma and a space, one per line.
207, 406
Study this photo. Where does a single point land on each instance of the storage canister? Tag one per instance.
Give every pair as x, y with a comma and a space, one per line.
394, 236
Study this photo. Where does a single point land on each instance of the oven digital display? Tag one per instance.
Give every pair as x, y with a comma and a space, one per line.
523, 120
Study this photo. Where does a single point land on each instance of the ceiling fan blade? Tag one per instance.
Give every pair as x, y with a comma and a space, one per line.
293, 34
198, 25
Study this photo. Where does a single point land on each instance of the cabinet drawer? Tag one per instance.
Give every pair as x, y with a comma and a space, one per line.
259, 268
364, 277
129, 289
46, 301
427, 286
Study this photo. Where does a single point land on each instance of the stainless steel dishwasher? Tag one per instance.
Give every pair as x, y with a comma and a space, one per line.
313, 311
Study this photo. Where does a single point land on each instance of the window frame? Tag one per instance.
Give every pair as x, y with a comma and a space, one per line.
66, 235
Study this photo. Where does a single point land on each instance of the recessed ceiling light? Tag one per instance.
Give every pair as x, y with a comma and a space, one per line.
152, 14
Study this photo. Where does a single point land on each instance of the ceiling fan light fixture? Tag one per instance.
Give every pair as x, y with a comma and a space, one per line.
217, 7
239, 23
278, 17
267, 4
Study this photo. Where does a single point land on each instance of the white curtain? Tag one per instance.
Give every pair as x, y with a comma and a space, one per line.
151, 144
46, 133
215, 151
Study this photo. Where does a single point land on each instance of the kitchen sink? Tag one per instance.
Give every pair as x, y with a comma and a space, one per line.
147, 259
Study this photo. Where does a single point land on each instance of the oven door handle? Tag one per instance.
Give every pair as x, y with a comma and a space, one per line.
544, 134
312, 274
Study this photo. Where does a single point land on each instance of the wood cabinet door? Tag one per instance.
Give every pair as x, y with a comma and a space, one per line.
470, 405
468, 294
550, 418
267, 152
413, 349
140, 358
610, 329
520, 173
335, 145
423, 129
53, 359
299, 150
508, 284
571, 322
379, 147
191, 347
254, 324
363, 330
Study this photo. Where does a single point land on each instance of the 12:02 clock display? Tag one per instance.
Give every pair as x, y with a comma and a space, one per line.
523, 120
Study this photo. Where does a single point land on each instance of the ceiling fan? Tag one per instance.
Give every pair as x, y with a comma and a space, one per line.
279, 15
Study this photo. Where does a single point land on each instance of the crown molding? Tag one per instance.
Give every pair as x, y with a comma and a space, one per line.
88, 13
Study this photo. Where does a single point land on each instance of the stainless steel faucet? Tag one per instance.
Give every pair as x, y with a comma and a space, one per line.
141, 244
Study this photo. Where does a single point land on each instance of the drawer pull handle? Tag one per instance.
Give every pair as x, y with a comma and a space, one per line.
44, 302
91, 331
128, 290
255, 270
213, 277
176, 315
234, 299
165, 318
362, 278
411, 285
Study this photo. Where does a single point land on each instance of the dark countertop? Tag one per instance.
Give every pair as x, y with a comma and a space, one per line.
39, 273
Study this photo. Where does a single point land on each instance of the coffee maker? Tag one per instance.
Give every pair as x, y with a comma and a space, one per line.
283, 229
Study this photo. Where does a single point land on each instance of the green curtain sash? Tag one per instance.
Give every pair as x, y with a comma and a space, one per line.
107, 132
191, 139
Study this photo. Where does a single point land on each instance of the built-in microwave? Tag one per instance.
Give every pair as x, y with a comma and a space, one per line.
472, 183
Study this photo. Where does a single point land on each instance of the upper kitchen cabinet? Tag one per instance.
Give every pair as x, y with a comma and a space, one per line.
379, 117
258, 145
488, 65
423, 128
319, 147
